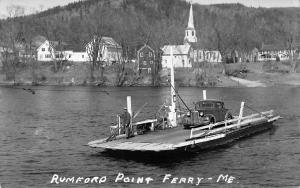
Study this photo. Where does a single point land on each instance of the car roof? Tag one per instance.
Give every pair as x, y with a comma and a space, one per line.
210, 100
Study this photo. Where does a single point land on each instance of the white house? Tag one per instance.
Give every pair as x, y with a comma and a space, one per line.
53, 50
79, 57
212, 56
109, 50
182, 56
45, 52
273, 52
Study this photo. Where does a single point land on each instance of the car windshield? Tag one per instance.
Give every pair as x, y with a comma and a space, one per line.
209, 104
219, 105
204, 105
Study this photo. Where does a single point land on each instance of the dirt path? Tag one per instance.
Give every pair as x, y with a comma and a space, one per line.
248, 83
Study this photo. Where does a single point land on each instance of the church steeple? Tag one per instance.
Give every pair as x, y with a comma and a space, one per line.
190, 32
191, 18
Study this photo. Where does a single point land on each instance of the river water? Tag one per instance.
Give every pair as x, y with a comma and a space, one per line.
46, 134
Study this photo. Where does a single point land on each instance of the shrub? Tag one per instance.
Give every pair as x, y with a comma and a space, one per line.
237, 71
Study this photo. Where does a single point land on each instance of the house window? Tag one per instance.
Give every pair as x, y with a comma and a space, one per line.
82, 56
192, 33
150, 54
70, 56
47, 56
187, 33
141, 54
43, 49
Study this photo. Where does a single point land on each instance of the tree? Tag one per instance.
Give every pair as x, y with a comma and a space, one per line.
94, 48
11, 42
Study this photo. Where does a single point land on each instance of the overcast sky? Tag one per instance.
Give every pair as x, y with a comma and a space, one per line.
32, 6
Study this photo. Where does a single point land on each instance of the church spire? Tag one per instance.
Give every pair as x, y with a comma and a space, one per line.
191, 18
190, 32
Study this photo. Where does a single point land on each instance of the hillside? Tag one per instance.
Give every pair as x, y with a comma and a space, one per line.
157, 22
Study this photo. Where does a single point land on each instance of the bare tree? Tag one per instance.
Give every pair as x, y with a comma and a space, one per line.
95, 25
10, 42
94, 51
292, 28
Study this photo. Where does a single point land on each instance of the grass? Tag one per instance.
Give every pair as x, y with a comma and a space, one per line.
208, 75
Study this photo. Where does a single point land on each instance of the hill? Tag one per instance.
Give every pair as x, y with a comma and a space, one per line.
157, 22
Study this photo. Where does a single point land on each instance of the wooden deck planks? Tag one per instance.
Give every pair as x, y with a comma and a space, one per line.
161, 140
135, 146
169, 136
145, 147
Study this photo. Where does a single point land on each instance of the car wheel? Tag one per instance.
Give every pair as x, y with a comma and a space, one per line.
228, 116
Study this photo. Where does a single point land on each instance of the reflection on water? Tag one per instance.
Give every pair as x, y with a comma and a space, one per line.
47, 133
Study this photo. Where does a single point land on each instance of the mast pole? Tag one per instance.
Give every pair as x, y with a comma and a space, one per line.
172, 114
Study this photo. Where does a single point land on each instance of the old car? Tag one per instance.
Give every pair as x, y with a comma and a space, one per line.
206, 112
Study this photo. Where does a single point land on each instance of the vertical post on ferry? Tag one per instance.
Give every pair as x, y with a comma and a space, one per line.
129, 109
172, 113
119, 124
241, 112
204, 94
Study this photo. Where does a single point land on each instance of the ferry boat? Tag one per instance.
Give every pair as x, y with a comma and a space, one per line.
199, 132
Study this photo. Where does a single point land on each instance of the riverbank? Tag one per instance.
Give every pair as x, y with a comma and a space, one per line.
237, 75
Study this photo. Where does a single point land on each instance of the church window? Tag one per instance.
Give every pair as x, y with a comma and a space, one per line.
141, 54
192, 33
150, 54
187, 33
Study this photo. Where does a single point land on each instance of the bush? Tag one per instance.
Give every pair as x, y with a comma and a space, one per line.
239, 71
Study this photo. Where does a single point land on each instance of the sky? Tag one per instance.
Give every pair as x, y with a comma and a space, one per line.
32, 6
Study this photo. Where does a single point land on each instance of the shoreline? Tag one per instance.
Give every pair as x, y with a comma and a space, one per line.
240, 83
256, 75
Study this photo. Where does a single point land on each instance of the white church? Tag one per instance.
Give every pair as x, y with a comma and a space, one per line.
186, 55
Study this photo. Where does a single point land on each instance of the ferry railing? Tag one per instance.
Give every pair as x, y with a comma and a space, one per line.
206, 130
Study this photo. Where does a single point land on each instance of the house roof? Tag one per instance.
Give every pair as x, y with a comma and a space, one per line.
110, 42
145, 46
107, 41
177, 49
60, 45
38, 41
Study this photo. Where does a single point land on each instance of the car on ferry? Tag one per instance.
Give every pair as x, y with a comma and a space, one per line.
205, 113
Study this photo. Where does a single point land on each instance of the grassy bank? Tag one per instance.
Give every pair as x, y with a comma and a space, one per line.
208, 75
